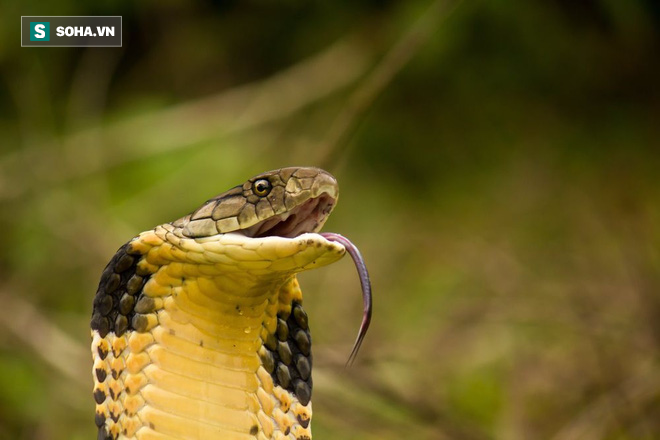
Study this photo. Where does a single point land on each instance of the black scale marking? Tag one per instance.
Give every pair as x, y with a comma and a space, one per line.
103, 434
120, 289
288, 356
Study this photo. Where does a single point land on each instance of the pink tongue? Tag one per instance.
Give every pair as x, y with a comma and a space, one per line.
366, 288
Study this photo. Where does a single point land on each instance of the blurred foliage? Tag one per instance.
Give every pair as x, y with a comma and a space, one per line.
503, 186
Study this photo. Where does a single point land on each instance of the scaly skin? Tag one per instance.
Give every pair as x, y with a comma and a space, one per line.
198, 330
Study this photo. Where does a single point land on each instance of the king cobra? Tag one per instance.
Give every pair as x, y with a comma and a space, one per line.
198, 329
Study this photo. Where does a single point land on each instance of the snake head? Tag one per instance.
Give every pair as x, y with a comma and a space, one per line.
276, 215
284, 203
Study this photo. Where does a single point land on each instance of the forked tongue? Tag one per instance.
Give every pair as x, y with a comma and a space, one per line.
366, 289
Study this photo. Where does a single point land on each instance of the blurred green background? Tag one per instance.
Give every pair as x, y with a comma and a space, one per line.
499, 166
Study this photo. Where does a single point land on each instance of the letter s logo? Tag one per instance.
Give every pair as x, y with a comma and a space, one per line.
39, 31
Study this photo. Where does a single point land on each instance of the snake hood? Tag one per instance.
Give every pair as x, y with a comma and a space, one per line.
198, 329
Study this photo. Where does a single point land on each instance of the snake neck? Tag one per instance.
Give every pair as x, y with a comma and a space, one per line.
204, 356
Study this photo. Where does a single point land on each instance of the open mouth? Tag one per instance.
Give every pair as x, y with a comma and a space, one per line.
307, 217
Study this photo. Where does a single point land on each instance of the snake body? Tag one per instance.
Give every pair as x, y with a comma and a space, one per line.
198, 329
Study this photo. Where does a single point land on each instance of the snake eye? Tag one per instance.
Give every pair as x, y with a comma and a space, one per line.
262, 187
